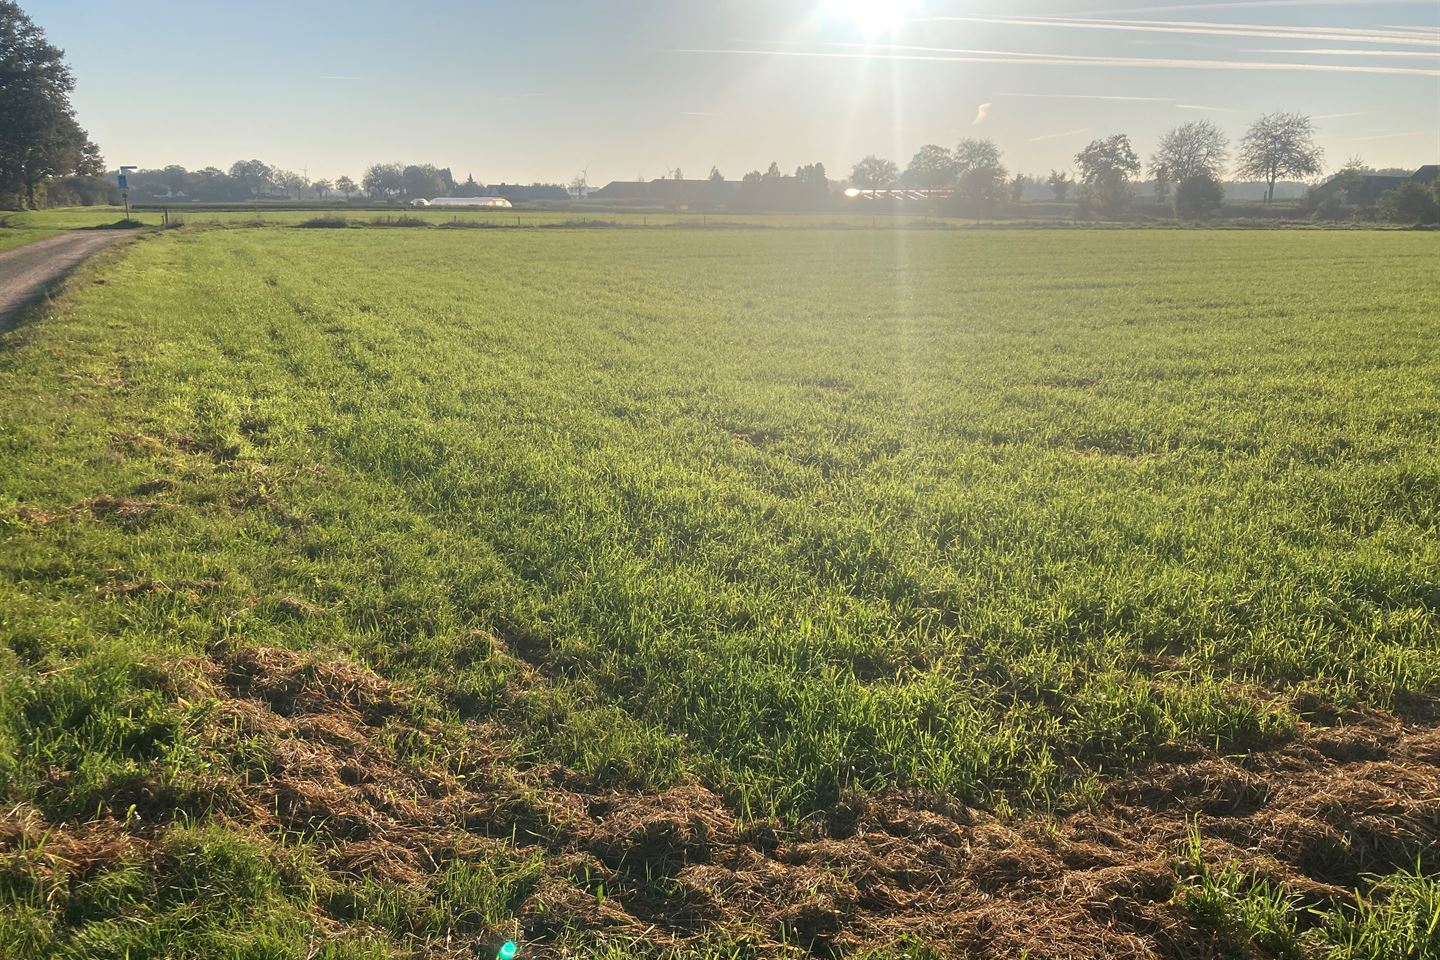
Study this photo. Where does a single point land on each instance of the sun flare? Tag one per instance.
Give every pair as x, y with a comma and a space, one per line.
871, 17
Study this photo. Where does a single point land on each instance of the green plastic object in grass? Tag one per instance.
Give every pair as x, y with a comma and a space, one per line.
507, 951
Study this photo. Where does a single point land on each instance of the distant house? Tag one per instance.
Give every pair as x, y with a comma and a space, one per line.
1366, 189
1427, 174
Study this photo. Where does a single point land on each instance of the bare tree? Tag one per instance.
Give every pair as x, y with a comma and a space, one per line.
346, 186
1199, 148
580, 186
1280, 145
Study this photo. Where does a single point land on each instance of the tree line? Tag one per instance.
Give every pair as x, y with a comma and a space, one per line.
247, 180
45, 155
1186, 168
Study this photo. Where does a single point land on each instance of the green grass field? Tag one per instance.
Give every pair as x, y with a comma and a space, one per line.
11, 239
240, 215
808, 520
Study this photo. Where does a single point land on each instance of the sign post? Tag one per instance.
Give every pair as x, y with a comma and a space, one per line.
125, 189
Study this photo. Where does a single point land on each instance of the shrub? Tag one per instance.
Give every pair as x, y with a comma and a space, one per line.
1410, 203
400, 221
1198, 197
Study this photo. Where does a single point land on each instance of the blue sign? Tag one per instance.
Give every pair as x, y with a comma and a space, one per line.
124, 183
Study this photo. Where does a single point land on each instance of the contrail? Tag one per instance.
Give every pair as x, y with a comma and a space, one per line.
951, 55
1195, 28
1057, 136
1251, 4
1424, 54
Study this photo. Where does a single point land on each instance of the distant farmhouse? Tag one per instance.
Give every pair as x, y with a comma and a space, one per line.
1366, 189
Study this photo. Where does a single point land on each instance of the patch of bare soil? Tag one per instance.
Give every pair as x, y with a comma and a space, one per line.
123, 511
339, 755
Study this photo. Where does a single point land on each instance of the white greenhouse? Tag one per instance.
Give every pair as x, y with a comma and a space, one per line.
489, 203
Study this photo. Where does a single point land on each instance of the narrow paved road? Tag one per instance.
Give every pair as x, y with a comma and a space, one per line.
26, 271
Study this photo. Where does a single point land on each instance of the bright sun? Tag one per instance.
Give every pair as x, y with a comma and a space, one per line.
871, 17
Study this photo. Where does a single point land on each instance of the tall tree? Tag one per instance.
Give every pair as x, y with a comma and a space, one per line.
1060, 182
813, 174
294, 183
254, 176
39, 137
1280, 145
384, 180
1017, 187
1106, 168
816, 184
716, 176
421, 181
932, 168
346, 186
873, 173
979, 175
1199, 148
91, 163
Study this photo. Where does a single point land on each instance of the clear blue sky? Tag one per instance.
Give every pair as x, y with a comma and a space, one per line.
535, 90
